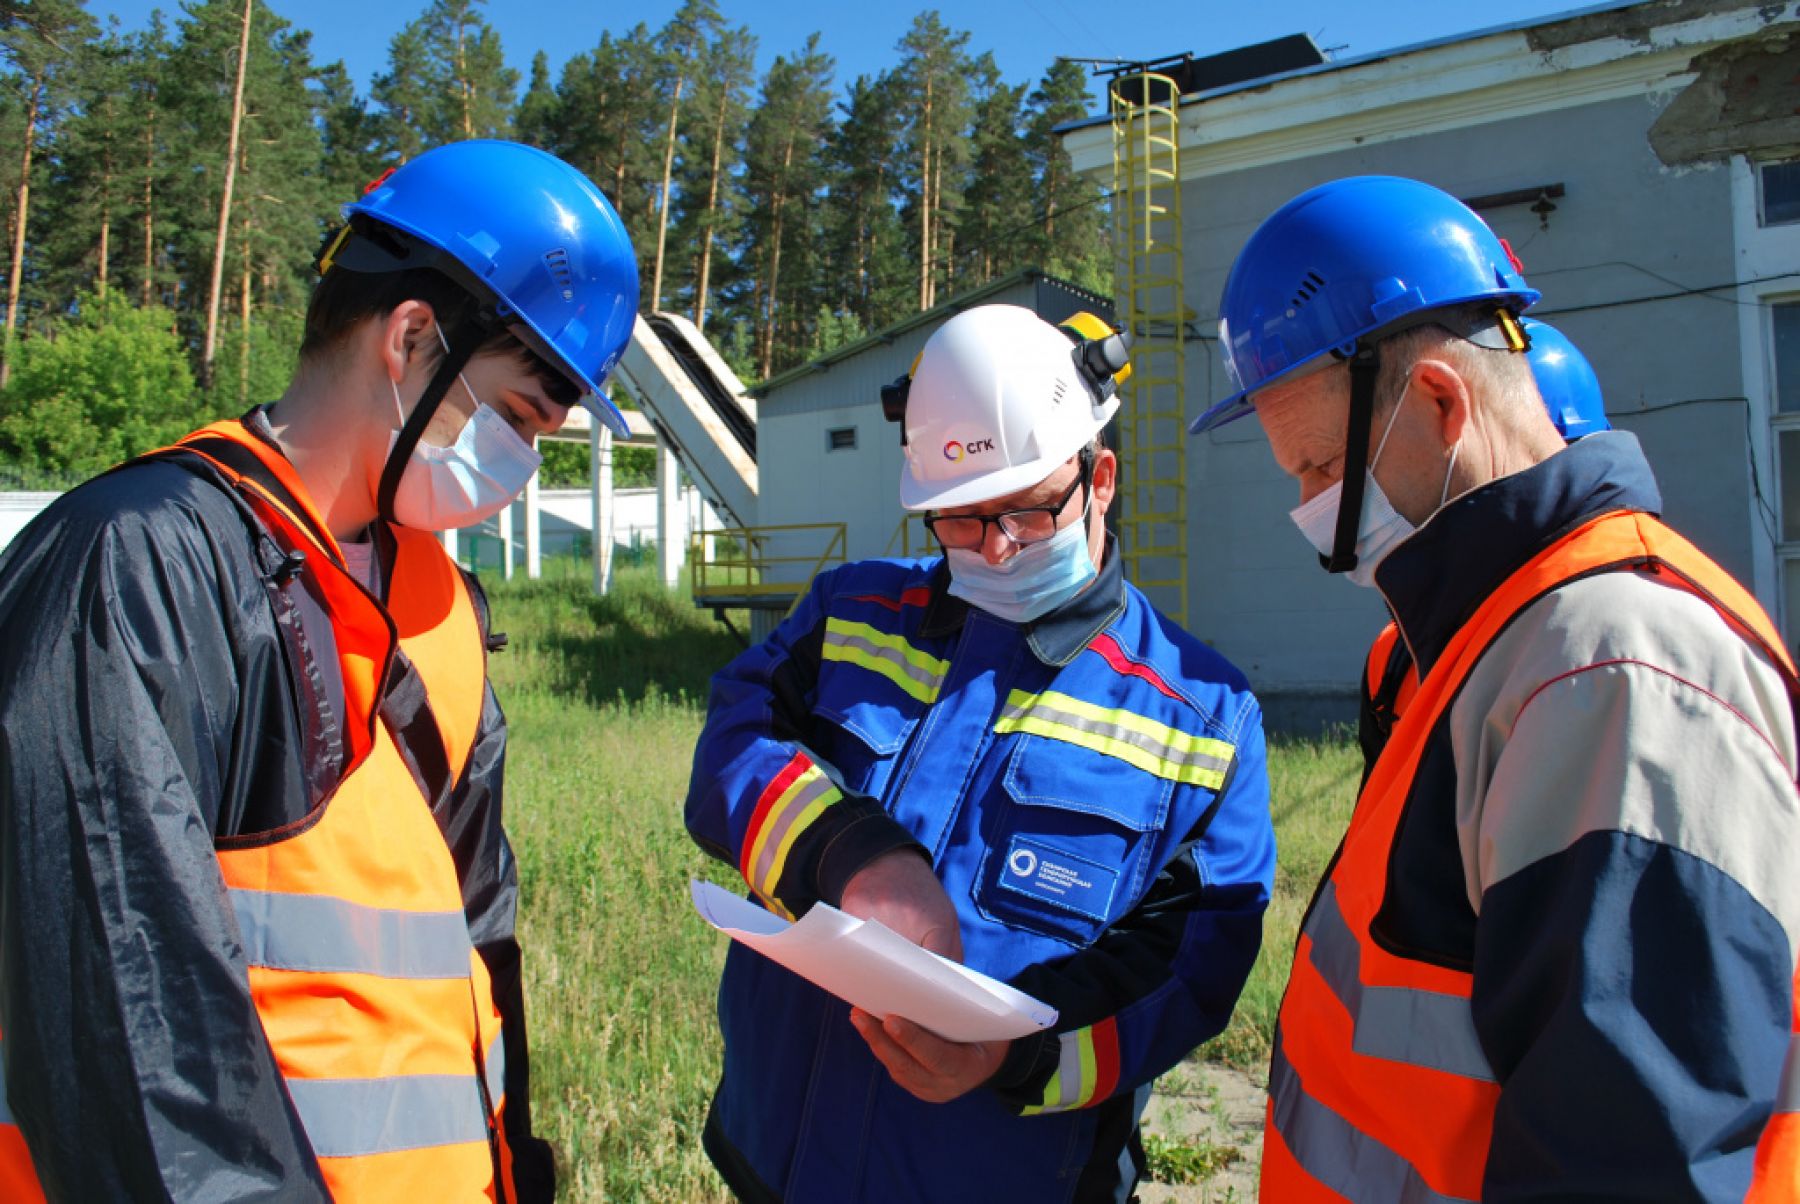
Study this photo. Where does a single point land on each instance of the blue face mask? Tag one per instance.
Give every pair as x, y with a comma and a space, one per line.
1035, 582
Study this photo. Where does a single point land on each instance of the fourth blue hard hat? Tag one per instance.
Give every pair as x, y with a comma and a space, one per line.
527, 233
1349, 260
1566, 381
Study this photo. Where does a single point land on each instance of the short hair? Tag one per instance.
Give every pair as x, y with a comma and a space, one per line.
342, 300
1503, 371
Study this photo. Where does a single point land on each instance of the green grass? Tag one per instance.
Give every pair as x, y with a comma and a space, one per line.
605, 699
1170, 1161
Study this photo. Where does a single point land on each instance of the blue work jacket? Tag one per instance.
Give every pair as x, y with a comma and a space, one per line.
1090, 788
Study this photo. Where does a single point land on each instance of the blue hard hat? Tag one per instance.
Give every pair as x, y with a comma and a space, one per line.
1355, 258
1566, 381
521, 228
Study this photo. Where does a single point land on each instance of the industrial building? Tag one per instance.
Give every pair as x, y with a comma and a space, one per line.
1644, 162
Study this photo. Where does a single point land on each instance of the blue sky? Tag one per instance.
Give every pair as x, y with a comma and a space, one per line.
1024, 35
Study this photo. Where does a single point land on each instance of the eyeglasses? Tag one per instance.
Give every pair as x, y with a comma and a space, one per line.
1026, 525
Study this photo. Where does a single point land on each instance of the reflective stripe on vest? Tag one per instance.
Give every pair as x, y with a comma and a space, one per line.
319, 933
1400, 1024
1787, 1098
1335, 1152
1379, 1089
375, 1003
353, 1118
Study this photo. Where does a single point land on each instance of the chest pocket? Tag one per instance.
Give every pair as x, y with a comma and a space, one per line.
873, 688
1087, 799
1072, 843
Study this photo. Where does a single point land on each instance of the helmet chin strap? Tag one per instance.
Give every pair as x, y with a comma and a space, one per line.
463, 343
1365, 365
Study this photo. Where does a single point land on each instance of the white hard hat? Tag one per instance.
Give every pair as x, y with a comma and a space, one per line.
998, 400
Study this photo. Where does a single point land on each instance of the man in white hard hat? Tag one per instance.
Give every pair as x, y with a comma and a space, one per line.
1007, 755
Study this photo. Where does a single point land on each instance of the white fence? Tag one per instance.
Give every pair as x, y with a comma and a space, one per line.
17, 509
566, 517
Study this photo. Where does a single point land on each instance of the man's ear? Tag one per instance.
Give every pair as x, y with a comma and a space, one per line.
1448, 393
403, 336
1105, 481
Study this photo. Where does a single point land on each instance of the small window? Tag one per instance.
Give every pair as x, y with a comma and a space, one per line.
840, 438
1786, 320
1780, 193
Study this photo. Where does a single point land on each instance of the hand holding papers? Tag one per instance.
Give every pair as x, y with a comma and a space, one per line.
879, 971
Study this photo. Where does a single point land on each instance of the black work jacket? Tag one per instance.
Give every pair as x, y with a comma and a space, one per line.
167, 682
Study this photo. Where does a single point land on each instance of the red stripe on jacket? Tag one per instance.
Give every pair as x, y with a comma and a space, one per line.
1121, 663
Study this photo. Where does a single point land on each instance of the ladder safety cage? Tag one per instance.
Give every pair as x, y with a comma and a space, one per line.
1148, 280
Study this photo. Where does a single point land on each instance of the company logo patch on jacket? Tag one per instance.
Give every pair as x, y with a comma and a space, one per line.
1043, 871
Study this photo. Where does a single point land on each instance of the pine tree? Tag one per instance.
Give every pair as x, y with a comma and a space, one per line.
863, 228
710, 192
608, 122
147, 65
447, 80
1073, 239
784, 170
539, 115
935, 72
88, 185
694, 26
40, 43
403, 96
997, 225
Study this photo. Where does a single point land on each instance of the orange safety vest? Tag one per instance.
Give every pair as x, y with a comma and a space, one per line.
1375, 673
375, 1002
1379, 1089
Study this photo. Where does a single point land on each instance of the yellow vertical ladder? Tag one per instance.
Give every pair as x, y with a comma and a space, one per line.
1152, 428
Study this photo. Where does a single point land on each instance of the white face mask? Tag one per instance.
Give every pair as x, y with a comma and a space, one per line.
1382, 528
471, 480
1039, 578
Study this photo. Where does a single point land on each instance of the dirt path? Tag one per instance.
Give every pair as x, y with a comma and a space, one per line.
1200, 1105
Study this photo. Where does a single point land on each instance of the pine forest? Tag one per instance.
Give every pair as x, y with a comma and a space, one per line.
165, 191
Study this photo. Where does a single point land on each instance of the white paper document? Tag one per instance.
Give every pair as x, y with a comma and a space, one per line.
879, 971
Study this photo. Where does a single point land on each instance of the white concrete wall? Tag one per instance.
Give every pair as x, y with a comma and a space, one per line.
566, 514
17, 509
567, 520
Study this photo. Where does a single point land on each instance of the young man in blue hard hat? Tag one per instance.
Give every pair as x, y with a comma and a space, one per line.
1007, 756
256, 936
1554, 956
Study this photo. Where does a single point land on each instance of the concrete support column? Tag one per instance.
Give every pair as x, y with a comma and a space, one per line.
601, 484
506, 542
534, 530
671, 533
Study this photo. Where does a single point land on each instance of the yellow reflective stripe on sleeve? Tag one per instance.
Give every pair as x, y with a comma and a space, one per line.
1153, 747
792, 812
1087, 1069
918, 673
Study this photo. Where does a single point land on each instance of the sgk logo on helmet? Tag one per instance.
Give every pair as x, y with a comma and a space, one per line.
956, 449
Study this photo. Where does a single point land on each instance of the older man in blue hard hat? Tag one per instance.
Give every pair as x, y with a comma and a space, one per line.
1570, 391
256, 929
1554, 956
1008, 756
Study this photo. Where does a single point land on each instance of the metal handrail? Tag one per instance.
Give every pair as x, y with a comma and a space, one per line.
902, 538
746, 563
